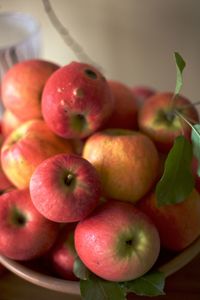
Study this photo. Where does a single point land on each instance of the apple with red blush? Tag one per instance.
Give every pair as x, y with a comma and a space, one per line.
124, 114
26, 147
117, 242
178, 224
76, 100
22, 87
159, 119
63, 254
24, 233
72, 185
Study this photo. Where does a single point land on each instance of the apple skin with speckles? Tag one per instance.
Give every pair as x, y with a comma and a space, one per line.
127, 162
72, 185
76, 100
117, 241
24, 233
22, 87
26, 147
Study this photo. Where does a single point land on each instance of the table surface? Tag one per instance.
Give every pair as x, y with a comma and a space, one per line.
183, 285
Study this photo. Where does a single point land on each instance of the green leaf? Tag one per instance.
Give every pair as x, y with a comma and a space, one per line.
180, 65
177, 181
80, 270
150, 284
196, 144
99, 289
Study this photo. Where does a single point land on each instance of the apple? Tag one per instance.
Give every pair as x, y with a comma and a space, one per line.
9, 122
5, 183
124, 114
22, 87
24, 233
72, 185
26, 147
158, 119
76, 100
63, 254
178, 224
127, 162
117, 242
141, 93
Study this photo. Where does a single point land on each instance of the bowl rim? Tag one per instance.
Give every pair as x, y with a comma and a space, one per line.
72, 287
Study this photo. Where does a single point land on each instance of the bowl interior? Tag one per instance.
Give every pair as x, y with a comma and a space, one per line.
168, 263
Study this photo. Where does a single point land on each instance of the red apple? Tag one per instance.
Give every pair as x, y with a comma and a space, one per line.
178, 224
76, 100
117, 242
141, 93
22, 87
24, 232
127, 162
26, 147
9, 122
72, 186
158, 119
124, 114
63, 253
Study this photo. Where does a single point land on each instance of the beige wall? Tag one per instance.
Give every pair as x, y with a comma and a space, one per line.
133, 40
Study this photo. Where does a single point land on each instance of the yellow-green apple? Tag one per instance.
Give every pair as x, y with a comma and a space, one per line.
117, 241
9, 122
22, 87
124, 114
159, 120
26, 147
127, 162
76, 100
178, 224
24, 232
141, 93
72, 185
63, 254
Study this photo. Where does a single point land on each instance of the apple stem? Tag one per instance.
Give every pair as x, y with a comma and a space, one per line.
69, 179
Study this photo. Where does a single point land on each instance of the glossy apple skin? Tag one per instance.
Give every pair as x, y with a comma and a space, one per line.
153, 122
27, 239
22, 87
76, 100
26, 147
117, 242
178, 224
66, 202
124, 114
63, 253
127, 162
9, 122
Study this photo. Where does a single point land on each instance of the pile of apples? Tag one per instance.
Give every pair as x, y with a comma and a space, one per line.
80, 158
